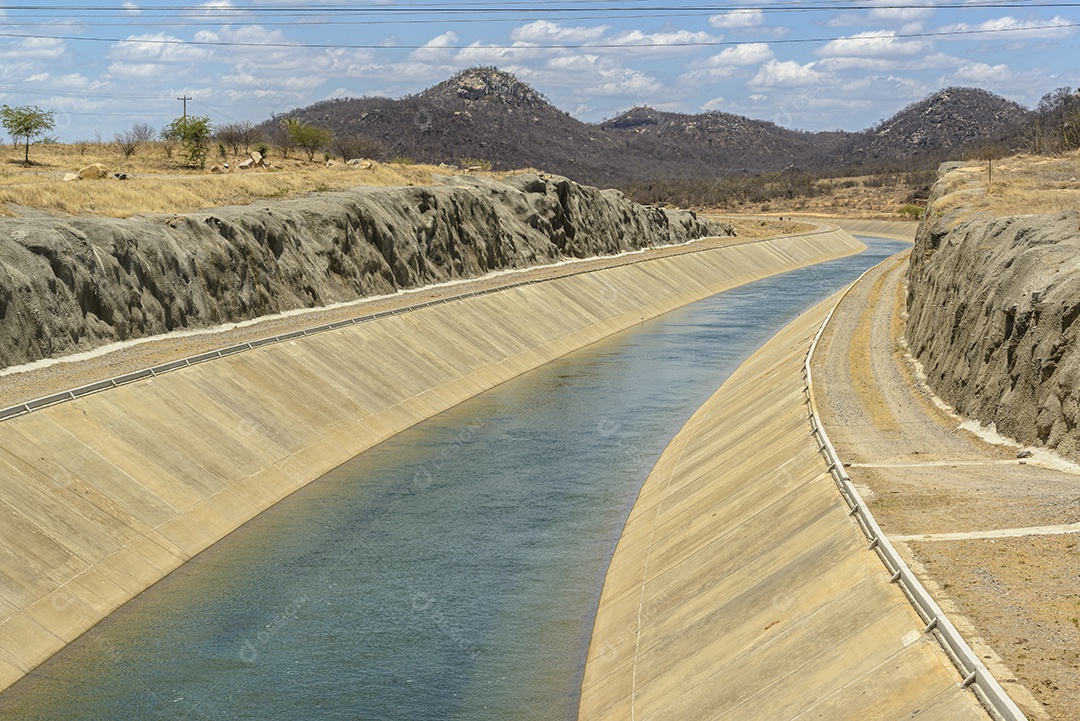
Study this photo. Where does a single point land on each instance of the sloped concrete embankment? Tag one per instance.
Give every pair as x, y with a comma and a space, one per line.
71, 284
742, 589
893, 229
102, 496
992, 304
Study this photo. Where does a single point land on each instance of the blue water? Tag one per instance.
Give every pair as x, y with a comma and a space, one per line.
451, 572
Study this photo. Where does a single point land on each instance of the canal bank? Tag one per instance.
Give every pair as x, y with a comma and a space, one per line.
742, 588
106, 494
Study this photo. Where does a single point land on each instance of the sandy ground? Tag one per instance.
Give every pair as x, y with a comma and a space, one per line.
1015, 598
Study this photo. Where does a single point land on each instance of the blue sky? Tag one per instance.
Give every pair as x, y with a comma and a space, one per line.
800, 63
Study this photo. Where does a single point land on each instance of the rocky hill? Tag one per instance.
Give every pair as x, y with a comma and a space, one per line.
950, 120
490, 114
993, 303
69, 284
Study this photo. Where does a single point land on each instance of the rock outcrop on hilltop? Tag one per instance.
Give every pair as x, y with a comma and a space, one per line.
993, 304
69, 284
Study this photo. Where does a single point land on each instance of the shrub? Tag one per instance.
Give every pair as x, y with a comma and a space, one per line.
475, 163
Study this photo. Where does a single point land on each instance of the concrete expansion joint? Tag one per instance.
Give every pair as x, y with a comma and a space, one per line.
974, 674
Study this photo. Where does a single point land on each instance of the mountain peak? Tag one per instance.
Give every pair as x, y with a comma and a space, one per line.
949, 118
480, 84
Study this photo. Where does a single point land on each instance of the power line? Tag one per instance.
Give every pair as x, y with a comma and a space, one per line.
614, 9
557, 46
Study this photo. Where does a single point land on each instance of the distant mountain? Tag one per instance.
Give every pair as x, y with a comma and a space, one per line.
492, 115
949, 120
721, 140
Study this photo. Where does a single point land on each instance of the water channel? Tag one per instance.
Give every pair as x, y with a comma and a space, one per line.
451, 572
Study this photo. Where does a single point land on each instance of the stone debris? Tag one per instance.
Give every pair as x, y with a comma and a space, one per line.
94, 172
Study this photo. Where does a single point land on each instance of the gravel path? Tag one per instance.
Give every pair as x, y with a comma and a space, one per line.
1015, 597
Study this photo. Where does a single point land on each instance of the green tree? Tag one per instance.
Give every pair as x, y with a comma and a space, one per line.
28, 122
193, 133
311, 138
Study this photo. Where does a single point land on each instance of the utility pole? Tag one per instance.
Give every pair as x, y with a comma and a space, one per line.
185, 98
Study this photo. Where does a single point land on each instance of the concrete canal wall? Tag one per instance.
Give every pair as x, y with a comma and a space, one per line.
103, 495
742, 588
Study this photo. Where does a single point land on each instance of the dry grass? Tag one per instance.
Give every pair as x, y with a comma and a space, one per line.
162, 185
1022, 185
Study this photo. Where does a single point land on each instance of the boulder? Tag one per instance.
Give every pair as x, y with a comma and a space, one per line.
216, 169
245, 164
93, 172
68, 177
257, 158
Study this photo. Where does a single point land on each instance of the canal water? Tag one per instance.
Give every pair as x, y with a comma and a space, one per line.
451, 572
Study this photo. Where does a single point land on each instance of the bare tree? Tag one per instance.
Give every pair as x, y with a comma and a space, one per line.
130, 140
249, 135
348, 147
239, 135
143, 132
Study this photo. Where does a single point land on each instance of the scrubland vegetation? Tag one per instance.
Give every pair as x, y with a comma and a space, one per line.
190, 164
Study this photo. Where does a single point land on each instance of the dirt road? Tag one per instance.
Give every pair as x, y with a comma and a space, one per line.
993, 537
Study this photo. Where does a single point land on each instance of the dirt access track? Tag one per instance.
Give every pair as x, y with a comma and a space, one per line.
993, 537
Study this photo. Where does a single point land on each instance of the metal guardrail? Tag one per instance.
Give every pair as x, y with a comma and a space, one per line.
974, 672
21, 409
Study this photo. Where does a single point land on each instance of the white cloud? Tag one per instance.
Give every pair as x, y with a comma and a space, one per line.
135, 70
785, 74
982, 74
899, 15
662, 43
872, 45
130, 8
750, 18
1008, 27
439, 48
728, 62
714, 104
34, 49
546, 32
502, 56
158, 47
748, 54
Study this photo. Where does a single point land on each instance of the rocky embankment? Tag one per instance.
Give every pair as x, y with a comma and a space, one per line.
69, 284
993, 304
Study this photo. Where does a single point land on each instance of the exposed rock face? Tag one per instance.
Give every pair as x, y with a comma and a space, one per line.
993, 304
70, 284
949, 119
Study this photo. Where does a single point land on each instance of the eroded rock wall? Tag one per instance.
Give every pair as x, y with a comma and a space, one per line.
993, 304
70, 284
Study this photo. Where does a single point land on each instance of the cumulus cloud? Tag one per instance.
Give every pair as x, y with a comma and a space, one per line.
437, 49
546, 32
729, 62
1056, 28
714, 104
888, 13
748, 54
872, 45
749, 18
34, 49
786, 74
157, 47
661, 43
981, 73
